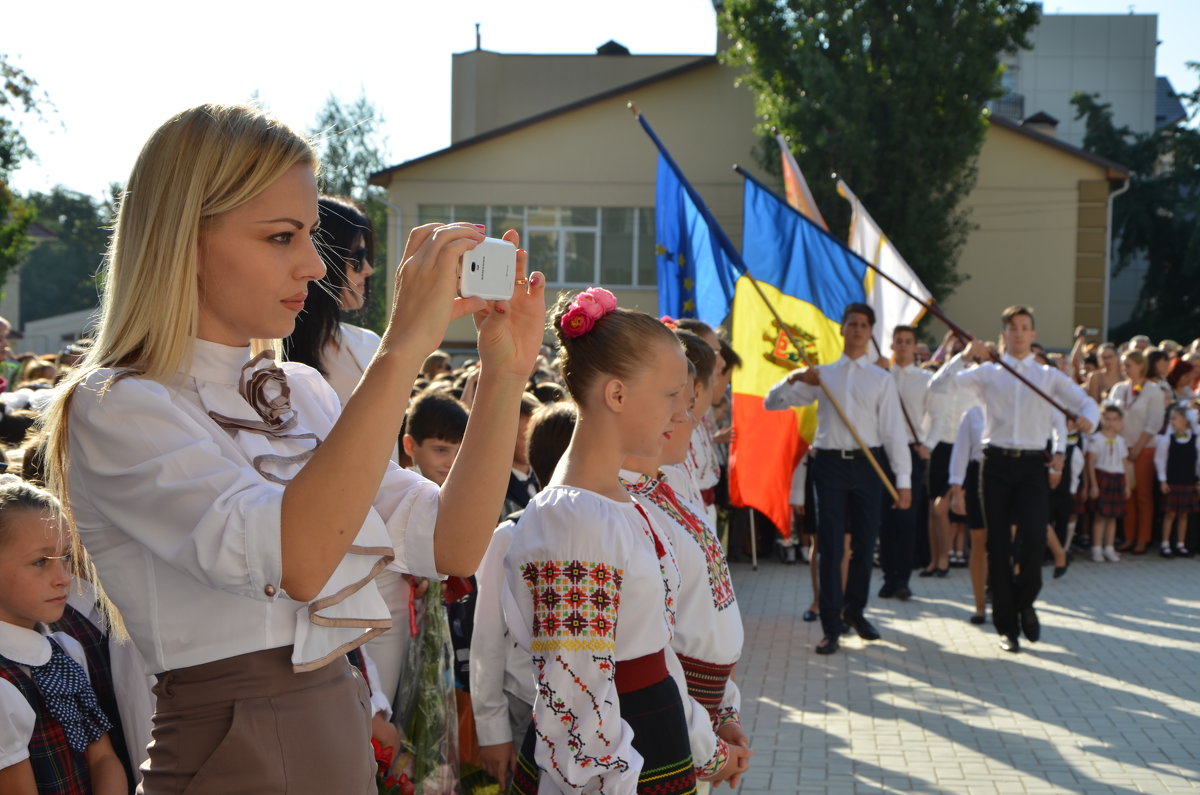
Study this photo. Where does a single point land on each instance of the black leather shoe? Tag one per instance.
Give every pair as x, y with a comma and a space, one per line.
928, 572
1030, 624
828, 645
887, 592
1010, 644
864, 628
903, 594
810, 615
977, 620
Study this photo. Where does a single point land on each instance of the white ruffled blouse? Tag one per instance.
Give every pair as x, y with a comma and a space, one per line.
177, 490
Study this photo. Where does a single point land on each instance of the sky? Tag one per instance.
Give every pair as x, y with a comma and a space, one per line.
114, 71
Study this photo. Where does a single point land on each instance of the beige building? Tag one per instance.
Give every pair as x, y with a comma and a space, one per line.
577, 178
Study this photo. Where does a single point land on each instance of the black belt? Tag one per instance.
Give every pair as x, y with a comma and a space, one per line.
1012, 452
848, 454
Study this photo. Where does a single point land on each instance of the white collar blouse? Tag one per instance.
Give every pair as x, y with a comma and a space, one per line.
177, 490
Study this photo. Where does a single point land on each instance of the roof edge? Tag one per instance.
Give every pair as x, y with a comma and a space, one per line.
381, 178
1115, 171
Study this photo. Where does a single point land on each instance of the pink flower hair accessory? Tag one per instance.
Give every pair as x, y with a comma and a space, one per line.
588, 307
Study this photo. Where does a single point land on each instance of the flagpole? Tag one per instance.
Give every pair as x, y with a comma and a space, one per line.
930, 305
736, 258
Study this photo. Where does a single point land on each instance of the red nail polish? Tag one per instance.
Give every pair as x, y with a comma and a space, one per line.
481, 226
534, 281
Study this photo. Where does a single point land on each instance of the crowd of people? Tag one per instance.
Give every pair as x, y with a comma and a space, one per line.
374, 566
1016, 456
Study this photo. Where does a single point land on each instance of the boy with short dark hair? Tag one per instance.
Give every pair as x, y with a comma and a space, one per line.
433, 431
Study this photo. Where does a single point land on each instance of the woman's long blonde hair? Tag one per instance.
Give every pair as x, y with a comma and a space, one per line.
201, 163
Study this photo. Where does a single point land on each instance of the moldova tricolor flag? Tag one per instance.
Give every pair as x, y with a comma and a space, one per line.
808, 276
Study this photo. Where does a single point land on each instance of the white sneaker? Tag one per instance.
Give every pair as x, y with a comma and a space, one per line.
1097, 555
1111, 554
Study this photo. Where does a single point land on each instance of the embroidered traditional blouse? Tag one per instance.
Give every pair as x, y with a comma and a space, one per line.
708, 624
588, 581
177, 490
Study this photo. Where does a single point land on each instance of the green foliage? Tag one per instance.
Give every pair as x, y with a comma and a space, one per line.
19, 93
887, 94
346, 137
59, 275
1158, 218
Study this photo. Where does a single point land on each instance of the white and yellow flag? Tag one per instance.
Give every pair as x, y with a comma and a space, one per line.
892, 306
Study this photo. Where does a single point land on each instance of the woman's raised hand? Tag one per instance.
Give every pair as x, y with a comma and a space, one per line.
510, 332
426, 283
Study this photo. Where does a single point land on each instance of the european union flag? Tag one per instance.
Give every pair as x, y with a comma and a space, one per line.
696, 276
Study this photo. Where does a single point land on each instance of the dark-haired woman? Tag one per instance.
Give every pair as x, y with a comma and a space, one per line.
337, 350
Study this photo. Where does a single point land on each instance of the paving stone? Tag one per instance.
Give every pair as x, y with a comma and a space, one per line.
935, 706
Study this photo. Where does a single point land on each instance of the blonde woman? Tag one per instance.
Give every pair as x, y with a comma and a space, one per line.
1142, 400
237, 517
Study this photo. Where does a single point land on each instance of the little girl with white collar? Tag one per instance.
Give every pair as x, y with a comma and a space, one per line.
53, 734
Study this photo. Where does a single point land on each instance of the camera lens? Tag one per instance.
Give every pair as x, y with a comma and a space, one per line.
474, 267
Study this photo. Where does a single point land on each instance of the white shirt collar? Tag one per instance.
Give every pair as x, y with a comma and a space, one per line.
1013, 360
861, 361
908, 368
212, 361
24, 646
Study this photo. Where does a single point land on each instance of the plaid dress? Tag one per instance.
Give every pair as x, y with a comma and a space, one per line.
1110, 455
57, 768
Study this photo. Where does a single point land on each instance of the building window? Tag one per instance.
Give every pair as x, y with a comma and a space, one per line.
573, 246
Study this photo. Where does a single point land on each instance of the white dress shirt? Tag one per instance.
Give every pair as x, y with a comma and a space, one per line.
867, 393
185, 531
1016, 417
1144, 411
947, 403
346, 362
912, 386
968, 445
498, 665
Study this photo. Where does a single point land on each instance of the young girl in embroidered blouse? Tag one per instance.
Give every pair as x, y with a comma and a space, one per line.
591, 584
1177, 459
708, 626
1110, 475
53, 734
240, 513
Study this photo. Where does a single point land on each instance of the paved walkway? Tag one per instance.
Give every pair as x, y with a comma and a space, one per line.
1108, 701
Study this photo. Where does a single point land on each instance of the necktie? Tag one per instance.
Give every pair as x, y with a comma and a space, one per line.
69, 696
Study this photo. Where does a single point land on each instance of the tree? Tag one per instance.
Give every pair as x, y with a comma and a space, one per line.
59, 275
18, 91
1156, 220
347, 140
888, 94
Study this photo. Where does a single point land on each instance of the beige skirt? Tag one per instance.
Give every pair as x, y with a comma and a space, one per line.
249, 724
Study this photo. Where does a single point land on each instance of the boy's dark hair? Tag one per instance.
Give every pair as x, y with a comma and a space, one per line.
1113, 408
549, 392
529, 404
434, 414
729, 355
702, 357
901, 329
549, 435
1016, 311
857, 308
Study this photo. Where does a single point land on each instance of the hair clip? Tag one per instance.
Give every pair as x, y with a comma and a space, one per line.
588, 307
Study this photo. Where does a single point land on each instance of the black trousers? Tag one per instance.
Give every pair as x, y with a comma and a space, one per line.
1014, 491
848, 498
898, 536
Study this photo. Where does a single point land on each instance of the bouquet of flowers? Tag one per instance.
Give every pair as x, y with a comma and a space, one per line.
424, 710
